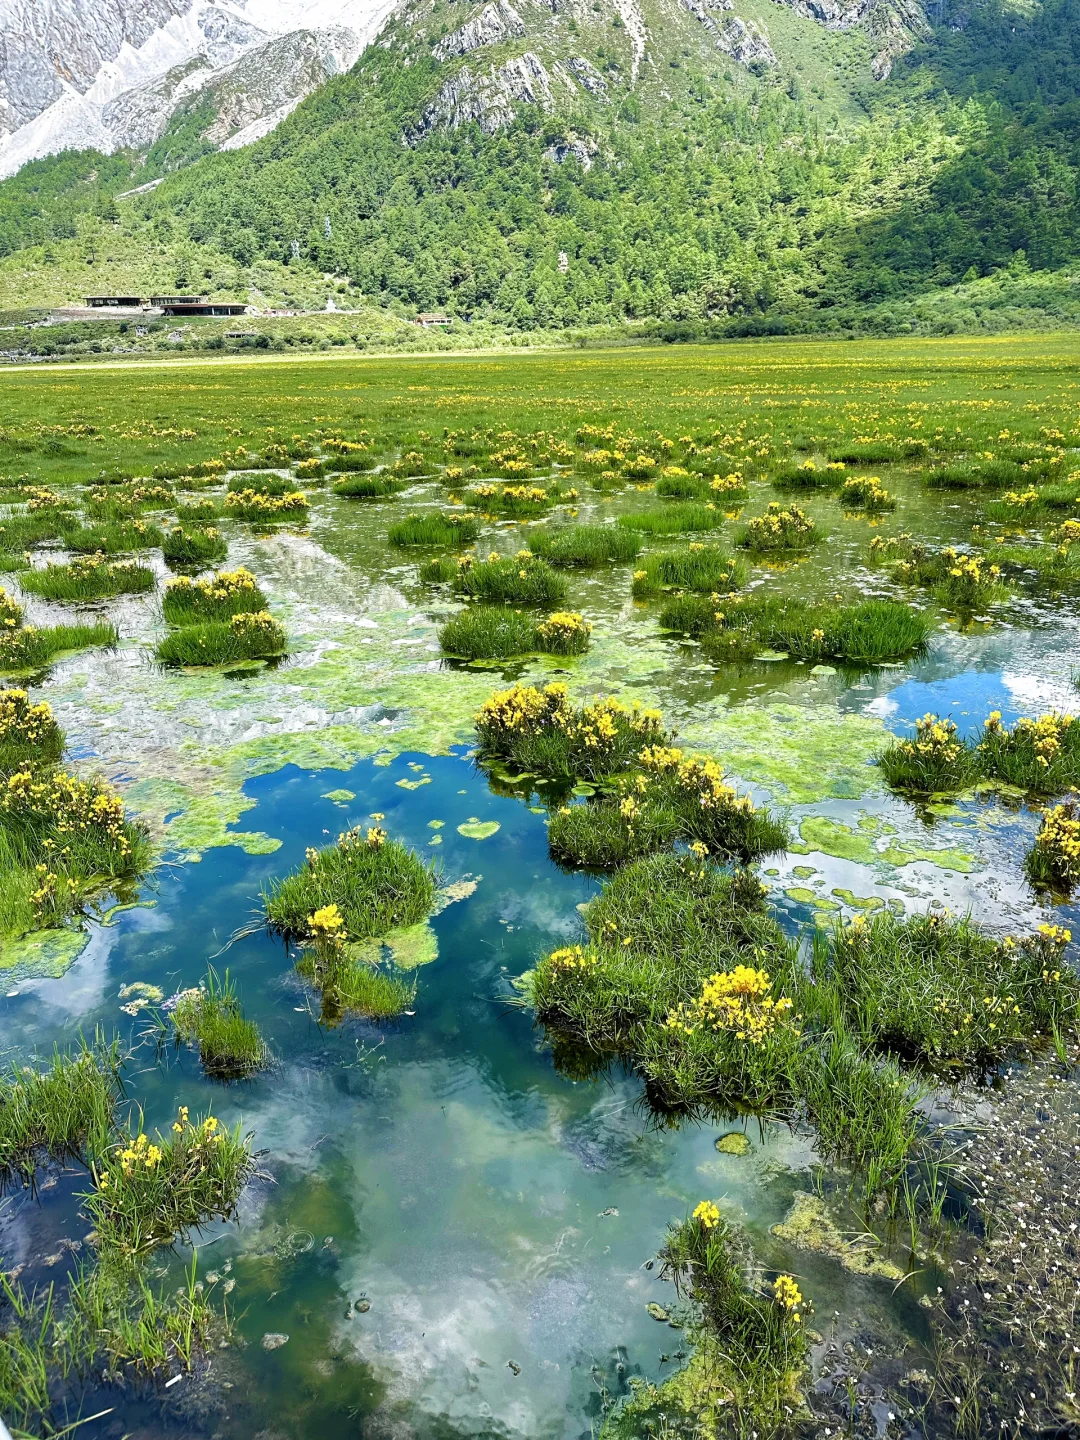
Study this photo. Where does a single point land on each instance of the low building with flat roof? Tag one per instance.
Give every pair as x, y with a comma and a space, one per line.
117, 302
203, 307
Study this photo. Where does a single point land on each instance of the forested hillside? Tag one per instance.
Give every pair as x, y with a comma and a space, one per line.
566, 168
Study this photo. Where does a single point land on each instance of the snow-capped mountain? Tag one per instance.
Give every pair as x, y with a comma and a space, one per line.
110, 73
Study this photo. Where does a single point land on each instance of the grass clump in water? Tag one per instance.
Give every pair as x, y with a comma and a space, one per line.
671, 798
959, 580
89, 578
704, 569
520, 579
488, 632
349, 985
255, 484
247, 636
370, 487
434, 529
198, 512
675, 483
230, 1045
583, 546
1040, 756
754, 1331
678, 518
114, 537
866, 492
28, 732
194, 545
228, 593
60, 1112
938, 990
28, 648
1015, 506
937, 761
440, 571
148, 1192
735, 627
1053, 862
516, 501
780, 529
539, 731
362, 886
255, 505
659, 928
810, 476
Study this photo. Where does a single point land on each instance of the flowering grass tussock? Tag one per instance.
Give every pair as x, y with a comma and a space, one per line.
228, 593
363, 885
246, 636
28, 732
194, 545
92, 577
521, 579
148, 1192
1053, 862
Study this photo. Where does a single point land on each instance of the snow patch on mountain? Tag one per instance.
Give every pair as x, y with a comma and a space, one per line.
106, 73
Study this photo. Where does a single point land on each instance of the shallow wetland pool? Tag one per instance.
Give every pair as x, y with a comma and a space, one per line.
454, 1233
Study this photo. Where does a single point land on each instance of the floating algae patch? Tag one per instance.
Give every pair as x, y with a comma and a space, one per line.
340, 797
809, 1226
802, 753
407, 948
735, 1142
413, 784
859, 902
801, 895
831, 837
474, 829
43, 954
190, 822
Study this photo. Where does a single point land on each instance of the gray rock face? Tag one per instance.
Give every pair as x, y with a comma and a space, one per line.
494, 23
488, 99
893, 26
563, 151
259, 84
588, 75
45, 44
741, 39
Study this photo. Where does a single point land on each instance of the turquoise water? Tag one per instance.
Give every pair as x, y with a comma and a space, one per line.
497, 1218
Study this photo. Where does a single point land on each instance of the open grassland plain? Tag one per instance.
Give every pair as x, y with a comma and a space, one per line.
589, 828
